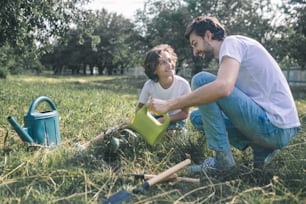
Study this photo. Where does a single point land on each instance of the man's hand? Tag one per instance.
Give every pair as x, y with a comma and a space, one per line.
157, 106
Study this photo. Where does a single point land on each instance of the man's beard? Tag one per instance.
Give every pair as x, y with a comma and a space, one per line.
208, 54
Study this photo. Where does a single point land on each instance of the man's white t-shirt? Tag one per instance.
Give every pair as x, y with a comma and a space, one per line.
261, 78
180, 86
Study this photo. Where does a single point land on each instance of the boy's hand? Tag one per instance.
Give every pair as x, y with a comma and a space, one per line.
161, 120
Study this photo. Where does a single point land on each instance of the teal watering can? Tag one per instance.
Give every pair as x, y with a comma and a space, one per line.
40, 127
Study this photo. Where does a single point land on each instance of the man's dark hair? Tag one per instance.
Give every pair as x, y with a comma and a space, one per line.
201, 24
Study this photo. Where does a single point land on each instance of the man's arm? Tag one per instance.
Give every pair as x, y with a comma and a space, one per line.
220, 88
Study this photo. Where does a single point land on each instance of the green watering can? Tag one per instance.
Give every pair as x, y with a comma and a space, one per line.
148, 126
40, 127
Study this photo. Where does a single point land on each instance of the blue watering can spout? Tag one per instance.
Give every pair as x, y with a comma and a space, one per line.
22, 132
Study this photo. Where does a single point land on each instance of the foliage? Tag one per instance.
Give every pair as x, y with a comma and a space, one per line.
23, 22
26, 28
119, 44
5, 61
89, 105
14, 62
75, 40
106, 40
165, 22
297, 33
286, 44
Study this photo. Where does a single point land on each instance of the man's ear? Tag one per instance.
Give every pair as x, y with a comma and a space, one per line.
209, 35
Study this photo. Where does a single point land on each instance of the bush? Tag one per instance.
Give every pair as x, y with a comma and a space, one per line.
3, 72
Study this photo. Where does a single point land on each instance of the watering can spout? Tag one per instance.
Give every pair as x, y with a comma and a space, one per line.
22, 132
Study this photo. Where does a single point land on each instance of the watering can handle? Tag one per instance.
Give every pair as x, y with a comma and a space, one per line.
165, 115
39, 100
167, 119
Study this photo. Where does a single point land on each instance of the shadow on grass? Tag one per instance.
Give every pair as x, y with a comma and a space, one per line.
120, 85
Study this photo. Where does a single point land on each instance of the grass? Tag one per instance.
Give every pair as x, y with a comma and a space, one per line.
89, 105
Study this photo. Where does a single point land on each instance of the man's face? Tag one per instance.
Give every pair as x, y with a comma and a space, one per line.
200, 46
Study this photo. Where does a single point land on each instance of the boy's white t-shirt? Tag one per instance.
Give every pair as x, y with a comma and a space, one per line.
180, 86
261, 78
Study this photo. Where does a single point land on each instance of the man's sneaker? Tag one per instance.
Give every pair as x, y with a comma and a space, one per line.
208, 163
223, 161
263, 158
269, 158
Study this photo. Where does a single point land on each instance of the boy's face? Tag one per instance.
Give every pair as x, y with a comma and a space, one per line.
166, 66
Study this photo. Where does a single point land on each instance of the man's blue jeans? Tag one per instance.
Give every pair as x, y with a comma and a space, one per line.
236, 120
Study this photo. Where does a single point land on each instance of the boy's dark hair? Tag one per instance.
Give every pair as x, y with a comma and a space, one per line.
201, 24
152, 59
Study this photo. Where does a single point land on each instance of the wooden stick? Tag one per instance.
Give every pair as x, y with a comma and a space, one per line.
173, 177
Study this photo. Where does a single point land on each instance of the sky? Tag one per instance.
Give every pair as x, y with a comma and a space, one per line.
125, 7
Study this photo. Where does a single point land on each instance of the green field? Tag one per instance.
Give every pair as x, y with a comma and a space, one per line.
89, 105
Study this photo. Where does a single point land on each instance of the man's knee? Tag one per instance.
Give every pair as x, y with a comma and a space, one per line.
201, 79
196, 119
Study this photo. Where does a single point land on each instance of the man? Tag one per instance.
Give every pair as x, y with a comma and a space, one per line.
248, 103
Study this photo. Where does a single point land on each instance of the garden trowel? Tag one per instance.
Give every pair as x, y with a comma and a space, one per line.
124, 195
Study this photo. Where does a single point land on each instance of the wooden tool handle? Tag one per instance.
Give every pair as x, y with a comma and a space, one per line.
187, 179
169, 178
116, 127
162, 176
168, 172
173, 177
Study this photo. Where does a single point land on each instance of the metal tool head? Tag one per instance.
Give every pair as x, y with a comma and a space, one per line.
119, 197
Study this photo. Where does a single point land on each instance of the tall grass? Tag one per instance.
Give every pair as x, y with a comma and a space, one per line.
89, 105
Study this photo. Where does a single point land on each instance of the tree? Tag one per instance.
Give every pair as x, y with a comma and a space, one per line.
23, 22
6, 62
118, 45
26, 28
103, 40
297, 31
165, 22
69, 53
